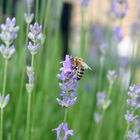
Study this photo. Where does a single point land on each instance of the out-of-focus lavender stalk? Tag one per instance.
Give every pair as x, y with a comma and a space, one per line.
103, 51
102, 104
103, 101
28, 5
28, 19
84, 4
120, 8
68, 86
133, 103
35, 36
8, 35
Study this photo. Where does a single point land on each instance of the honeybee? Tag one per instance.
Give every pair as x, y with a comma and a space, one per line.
79, 65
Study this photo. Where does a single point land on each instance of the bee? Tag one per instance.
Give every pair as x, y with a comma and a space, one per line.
79, 65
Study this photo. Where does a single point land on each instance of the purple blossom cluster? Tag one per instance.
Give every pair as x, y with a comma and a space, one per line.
63, 127
9, 31
8, 35
134, 96
118, 33
35, 36
120, 7
68, 83
133, 103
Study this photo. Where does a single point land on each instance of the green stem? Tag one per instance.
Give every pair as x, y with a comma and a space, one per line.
3, 94
36, 9
65, 115
127, 128
109, 90
16, 120
100, 127
47, 13
4, 78
32, 61
1, 124
28, 122
100, 72
24, 63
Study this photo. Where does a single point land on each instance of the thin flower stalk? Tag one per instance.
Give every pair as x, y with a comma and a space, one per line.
35, 36
28, 19
8, 35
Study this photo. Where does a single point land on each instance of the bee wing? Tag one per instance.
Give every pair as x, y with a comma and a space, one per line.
86, 66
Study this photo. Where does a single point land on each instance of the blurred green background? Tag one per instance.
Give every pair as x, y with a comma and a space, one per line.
56, 20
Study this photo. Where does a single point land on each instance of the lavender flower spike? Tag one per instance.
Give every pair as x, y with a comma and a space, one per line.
120, 12
130, 117
35, 33
9, 31
68, 83
60, 128
33, 48
4, 101
133, 135
7, 52
134, 96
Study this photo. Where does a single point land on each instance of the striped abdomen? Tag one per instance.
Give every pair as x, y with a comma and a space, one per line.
80, 73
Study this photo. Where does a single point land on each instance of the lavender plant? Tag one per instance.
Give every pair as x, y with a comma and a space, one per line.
68, 86
35, 36
133, 103
103, 101
43, 117
120, 8
8, 35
